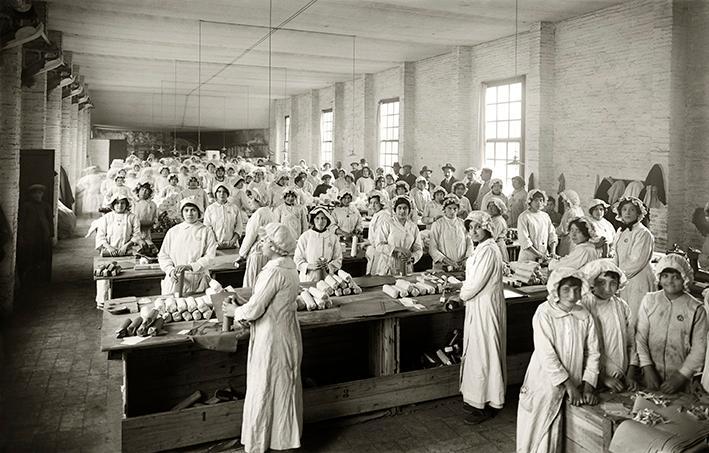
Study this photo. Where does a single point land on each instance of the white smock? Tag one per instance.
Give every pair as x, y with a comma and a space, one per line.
499, 234
116, 230
226, 222
374, 225
147, 213
431, 212
294, 217
534, 229
565, 347
581, 255
364, 185
615, 333
347, 219
251, 245
273, 407
200, 194
633, 251
566, 246
312, 246
604, 229
483, 370
672, 334
489, 196
187, 243
448, 240
393, 234
421, 198
518, 204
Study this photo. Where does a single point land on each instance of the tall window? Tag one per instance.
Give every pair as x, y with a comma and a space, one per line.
388, 133
286, 138
326, 136
504, 129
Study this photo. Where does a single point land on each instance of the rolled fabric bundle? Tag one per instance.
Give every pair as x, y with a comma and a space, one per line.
207, 314
344, 275
167, 316
170, 305
317, 294
196, 315
321, 303
181, 304
340, 281
338, 292
177, 316
201, 306
331, 282
155, 329
300, 303
159, 305
391, 291
309, 301
430, 289
187, 316
356, 290
123, 330
422, 289
408, 287
147, 322
323, 286
346, 292
134, 326
191, 304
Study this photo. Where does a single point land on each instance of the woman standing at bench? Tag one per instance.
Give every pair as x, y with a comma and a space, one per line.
273, 407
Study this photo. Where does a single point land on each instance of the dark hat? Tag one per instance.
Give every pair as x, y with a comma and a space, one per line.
37, 187
425, 169
396, 165
448, 165
407, 166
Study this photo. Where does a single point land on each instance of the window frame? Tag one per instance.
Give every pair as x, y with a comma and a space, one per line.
381, 130
521, 140
331, 131
286, 138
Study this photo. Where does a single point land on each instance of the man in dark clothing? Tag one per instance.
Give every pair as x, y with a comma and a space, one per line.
356, 170
324, 186
407, 176
448, 178
34, 237
396, 168
472, 183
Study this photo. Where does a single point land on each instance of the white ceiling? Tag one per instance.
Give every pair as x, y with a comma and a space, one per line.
141, 58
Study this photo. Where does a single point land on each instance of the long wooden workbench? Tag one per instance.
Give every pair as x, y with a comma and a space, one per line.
351, 365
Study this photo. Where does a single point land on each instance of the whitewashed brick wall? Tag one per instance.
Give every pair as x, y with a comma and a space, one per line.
10, 113
34, 109
53, 140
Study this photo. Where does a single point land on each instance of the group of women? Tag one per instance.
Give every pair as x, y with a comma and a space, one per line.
284, 243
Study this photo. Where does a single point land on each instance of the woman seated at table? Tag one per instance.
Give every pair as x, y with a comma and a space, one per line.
194, 190
116, 233
318, 252
347, 221
224, 218
365, 183
537, 236
172, 188
448, 244
434, 208
398, 240
580, 232
497, 210
290, 213
188, 248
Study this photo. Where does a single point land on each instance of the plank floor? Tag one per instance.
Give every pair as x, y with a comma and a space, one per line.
54, 384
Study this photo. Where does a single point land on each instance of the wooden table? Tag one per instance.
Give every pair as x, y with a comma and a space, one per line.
351, 365
131, 282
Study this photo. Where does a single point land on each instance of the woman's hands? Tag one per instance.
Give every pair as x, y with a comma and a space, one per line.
674, 383
175, 274
575, 396
651, 380
403, 253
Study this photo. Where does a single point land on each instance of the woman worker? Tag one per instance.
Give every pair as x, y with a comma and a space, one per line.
145, 209
318, 252
347, 219
250, 249
116, 232
572, 210
397, 240
581, 233
194, 190
605, 233
188, 248
434, 208
273, 407
483, 367
448, 244
379, 216
497, 210
225, 219
537, 237
633, 250
290, 213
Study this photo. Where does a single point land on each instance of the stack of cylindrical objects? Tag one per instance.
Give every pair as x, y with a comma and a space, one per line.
108, 270
149, 323
340, 284
184, 308
524, 273
405, 288
313, 299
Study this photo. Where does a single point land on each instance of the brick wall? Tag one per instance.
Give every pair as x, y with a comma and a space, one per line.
53, 139
10, 113
34, 109
67, 145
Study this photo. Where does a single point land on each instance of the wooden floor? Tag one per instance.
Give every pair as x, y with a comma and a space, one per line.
54, 382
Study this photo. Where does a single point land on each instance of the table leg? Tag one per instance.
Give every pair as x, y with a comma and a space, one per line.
384, 347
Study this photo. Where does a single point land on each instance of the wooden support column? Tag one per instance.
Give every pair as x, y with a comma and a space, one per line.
34, 110
384, 347
53, 140
10, 114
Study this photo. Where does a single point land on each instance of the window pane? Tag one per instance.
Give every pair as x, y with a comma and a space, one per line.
516, 91
489, 150
396, 107
490, 112
503, 93
515, 110
503, 111
491, 95
513, 149
490, 130
502, 129
501, 151
515, 129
